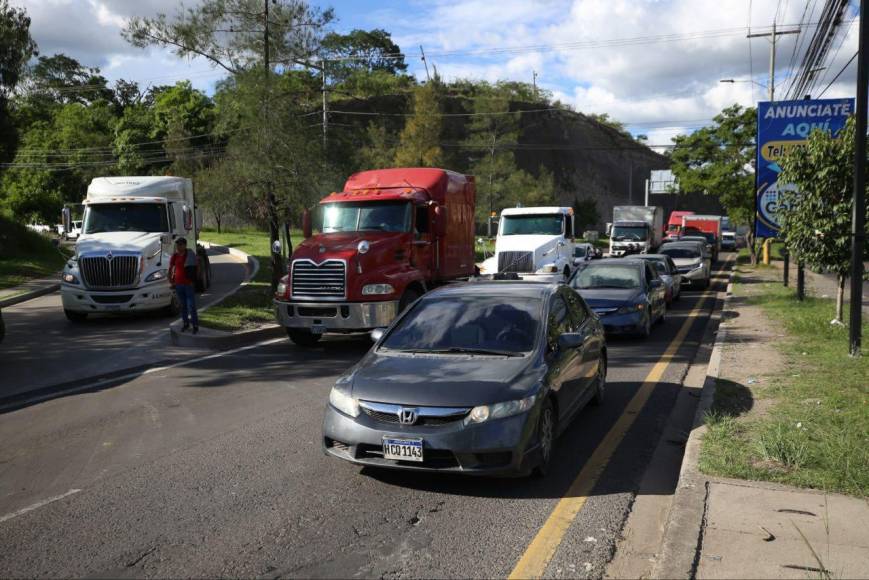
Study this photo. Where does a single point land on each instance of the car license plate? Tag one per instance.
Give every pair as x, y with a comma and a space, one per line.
402, 449
112, 307
318, 329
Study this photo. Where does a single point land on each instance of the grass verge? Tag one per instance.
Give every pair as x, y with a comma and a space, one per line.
816, 431
26, 255
252, 304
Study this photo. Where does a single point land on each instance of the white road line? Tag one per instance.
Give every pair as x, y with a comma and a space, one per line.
109, 380
37, 505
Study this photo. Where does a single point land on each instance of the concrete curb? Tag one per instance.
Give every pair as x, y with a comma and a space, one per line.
217, 339
682, 534
25, 296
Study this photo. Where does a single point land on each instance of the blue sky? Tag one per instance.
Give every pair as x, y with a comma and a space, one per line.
653, 64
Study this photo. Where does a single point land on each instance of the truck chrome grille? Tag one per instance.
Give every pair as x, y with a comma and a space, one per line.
102, 272
515, 262
325, 280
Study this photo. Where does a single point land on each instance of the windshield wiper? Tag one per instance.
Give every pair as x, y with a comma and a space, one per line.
606, 286
462, 350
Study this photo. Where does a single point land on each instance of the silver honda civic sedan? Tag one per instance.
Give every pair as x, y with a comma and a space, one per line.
476, 378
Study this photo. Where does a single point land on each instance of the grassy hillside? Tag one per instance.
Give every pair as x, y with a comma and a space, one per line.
25, 255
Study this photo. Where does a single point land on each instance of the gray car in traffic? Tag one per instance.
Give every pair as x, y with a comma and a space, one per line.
475, 378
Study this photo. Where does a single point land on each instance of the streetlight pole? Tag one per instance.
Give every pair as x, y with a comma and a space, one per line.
858, 218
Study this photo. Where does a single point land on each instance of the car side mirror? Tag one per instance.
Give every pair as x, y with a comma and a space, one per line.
377, 334
570, 340
657, 283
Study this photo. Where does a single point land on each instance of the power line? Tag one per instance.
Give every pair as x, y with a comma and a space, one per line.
838, 74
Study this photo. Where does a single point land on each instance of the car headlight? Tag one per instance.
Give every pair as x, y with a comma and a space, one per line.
373, 289
70, 279
697, 266
157, 275
500, 410
631, 308
344, 402
550, 269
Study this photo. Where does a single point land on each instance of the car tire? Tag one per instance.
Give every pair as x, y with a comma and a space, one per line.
74, 316
409, 297
545, 437
302, 337
600, 386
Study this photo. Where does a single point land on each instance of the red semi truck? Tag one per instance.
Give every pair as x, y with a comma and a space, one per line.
387, 238
674, 225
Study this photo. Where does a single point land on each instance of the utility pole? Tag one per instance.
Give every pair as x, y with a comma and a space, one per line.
491, 191
534, 82
325, 109
773, 36
422, 52
271, 201
858, 218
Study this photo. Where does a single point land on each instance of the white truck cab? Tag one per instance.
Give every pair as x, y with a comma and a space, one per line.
122, 255
533, 240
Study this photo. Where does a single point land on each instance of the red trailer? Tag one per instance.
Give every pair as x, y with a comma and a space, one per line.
674, 225
387, 238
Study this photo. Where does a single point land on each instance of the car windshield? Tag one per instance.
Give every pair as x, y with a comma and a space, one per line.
526, 225
357, 217
635, 233
608, 276
125, 217
680, 252
496, 325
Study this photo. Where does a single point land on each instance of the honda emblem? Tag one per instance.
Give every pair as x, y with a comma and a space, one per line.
407, 416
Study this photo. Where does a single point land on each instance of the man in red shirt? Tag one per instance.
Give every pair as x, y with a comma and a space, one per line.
183, 268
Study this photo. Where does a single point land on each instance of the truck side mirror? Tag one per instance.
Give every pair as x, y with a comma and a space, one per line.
67, 220
440, 220
307, 230
188, 218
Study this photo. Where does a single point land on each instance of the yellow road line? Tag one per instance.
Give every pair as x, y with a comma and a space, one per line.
538, 554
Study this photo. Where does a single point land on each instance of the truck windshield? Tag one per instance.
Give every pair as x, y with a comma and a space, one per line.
633, 233
125, 217
357, 217
532, 225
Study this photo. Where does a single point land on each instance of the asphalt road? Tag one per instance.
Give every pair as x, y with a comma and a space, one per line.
43, 349
214, 468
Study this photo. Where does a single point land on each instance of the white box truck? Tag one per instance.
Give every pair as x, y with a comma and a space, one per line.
121, 258
533, 240
636, 229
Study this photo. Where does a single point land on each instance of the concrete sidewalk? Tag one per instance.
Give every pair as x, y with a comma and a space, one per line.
29, 290
725, 528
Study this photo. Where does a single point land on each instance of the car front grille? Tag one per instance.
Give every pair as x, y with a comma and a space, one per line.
325, 280
426, 416
105, 272
515, 261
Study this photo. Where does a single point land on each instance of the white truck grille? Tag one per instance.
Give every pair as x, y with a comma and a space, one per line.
515, 261
117, 271
324, 280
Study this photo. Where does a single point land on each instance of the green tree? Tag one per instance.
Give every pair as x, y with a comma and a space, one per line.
816, 215
60, 79
420, 139
585, 213
379, 151
719, 160
361, 50
16, 48
230, 35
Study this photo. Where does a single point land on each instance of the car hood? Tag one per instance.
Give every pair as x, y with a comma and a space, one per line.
117, 242
444, 380
610, 297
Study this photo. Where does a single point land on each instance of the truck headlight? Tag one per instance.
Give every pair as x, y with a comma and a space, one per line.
157, 275
374, 289
70, 279
550, 269
500, 410
344, 402
282, 288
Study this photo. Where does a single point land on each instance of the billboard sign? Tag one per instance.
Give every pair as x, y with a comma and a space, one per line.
781, 126
663, 182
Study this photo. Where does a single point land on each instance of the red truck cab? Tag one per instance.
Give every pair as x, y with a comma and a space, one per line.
674, 225
387, 238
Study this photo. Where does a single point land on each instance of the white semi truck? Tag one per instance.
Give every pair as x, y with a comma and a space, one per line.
533, 240
636, 229
121, 258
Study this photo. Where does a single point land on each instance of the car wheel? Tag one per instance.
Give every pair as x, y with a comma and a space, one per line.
545, 437
74, 316
303, 337
410, 296
600, 384
646, 331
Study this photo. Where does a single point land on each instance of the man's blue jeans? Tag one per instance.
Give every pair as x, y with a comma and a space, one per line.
187, 299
